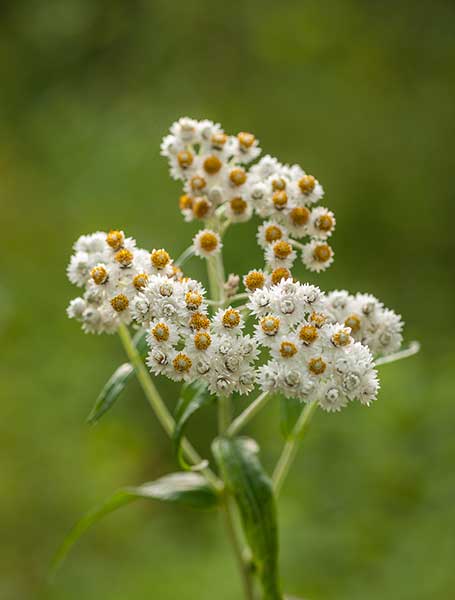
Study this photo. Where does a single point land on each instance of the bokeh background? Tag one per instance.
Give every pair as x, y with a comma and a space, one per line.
362, 95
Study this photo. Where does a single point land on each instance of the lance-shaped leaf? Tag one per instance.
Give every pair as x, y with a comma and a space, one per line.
252, 489
193, 396
189, 489
116, 383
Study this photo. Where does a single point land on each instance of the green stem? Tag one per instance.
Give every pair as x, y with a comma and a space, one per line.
238, 423
291, 446
215, 271
156, 402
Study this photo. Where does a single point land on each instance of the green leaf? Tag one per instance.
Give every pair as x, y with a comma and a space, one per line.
193, 396
252, 489
116, 383
189, 489
290, 410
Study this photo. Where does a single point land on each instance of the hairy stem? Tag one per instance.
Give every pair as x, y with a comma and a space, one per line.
156, 402
412, 349
291, 446
238, 423
215, 271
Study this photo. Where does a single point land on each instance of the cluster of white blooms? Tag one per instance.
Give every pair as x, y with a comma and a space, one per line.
370, 322
310, 358
216, 182
187, 344
112, 270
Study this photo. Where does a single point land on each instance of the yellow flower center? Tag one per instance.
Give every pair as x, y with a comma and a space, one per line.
278, 184
197, 183
202, 340
160, 258
199, 321
124, 257
341, 338
254, 280
115, 239
99, 274
193, 300
161, 332
201, 208
322, 252
324, 222
246, 139
231, 318
299, 215
212, 164
353, 321
307, 184
208, 241
272, 233
219, 139
237, 176
238, 205
120, 303
279, 274
140, 281
185, 202
270, 325
282, 249
185, 158
182, 363
288, 349
280, 199
308, 334
318, 319
317, 366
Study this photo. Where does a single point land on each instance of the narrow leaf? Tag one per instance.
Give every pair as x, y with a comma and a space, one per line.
252, 489
116, 383
193, 397
190, 489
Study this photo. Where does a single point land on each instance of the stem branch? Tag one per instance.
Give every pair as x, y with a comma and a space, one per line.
291, 446
156, 402
238, 423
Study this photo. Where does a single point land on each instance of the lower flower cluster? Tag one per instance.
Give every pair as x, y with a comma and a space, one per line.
287, 338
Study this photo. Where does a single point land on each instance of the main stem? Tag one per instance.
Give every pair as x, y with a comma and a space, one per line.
156, 402
215, 269
291, 446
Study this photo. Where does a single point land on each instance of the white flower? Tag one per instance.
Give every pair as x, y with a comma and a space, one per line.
332, 398
317, 256
228, 321
280, 254
321, 223
207, 243
270, 232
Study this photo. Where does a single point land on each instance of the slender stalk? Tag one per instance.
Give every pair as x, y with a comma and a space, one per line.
156, 402
186, 255
238, 423
291, 446
215, 271
412, 349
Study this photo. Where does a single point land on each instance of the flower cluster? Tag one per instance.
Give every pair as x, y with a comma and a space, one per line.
370, 322
187, 344
218, 184
310, 358
112, 270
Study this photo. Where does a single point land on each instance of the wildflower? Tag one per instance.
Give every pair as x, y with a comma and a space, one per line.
206, 243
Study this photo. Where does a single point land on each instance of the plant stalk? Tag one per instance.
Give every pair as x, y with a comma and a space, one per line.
291, 446
238, 423
215, 271
157, 404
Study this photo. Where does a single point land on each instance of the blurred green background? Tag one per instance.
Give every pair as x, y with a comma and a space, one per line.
362, 95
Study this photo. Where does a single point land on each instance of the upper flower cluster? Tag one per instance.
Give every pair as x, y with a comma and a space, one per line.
218, 184
112, 270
